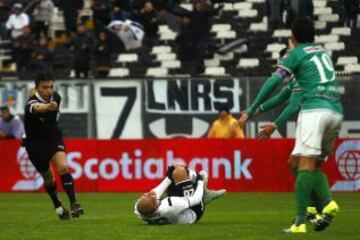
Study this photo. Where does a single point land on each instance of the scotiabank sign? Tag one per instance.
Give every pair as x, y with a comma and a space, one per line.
138, 165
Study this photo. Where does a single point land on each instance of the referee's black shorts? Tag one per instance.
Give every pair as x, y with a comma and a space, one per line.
40, 153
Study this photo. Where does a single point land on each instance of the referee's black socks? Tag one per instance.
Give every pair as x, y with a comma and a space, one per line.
51, 190
68, 185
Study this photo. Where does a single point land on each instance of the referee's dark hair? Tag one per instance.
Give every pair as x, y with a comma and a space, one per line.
303, 30
43, 77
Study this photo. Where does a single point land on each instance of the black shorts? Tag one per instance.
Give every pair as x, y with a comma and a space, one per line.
199, 210
40, 153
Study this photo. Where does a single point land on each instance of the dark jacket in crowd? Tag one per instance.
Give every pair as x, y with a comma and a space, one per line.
82, 45
42, 58
4, 11
70, 9
194, 36
198, 30
22, 50
150, 22
102, 11
102, 53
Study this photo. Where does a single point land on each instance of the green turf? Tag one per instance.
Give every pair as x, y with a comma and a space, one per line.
109, 216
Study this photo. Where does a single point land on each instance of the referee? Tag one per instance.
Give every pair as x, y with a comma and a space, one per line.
44, 143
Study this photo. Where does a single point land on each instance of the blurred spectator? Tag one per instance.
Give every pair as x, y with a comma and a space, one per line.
43, 14
82, 43
290, 13
17, 21
42, 56
193, 40
101, 11
352, 10
10, 125
306, 8
71, 10
300, 8
4, 15
118, 13
225, 126
275, 13
123, 4
22, 49
149, 19
102, 54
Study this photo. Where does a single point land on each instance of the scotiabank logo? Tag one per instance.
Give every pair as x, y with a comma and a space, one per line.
138, 167
31, 178
348, 161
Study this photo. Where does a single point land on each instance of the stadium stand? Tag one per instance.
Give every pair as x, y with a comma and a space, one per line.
238, 19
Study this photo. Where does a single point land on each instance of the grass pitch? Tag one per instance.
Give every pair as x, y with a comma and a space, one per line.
109, 216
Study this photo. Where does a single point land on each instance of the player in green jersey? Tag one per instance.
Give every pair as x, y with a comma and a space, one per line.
319, 119
292, 93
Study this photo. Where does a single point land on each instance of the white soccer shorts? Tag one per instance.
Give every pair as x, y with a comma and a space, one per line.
177, 210
315, 132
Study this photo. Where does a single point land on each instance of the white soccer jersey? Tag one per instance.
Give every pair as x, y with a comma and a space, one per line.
172, 210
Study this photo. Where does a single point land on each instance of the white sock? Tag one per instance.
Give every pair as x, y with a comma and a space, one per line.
161, 188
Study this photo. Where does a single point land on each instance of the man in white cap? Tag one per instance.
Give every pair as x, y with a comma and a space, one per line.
17, 21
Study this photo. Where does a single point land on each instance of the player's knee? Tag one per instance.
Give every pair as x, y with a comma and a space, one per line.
180, 174
48, 177
63, 169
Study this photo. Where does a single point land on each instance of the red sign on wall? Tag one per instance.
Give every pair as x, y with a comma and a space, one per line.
138, 165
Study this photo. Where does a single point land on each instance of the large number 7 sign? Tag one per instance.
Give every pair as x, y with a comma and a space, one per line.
130, 94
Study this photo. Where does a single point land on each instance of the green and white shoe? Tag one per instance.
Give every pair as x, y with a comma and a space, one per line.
211, 195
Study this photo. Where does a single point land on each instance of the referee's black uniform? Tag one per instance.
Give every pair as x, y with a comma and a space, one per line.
43, 136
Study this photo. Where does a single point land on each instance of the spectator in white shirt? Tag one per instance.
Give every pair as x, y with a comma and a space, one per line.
17, 21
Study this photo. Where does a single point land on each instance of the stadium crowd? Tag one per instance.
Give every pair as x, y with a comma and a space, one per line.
94, 46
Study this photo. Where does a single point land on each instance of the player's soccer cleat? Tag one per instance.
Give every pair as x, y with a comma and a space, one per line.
76, 210
62, 213
295, 229
312, 215
211, 195
328, 214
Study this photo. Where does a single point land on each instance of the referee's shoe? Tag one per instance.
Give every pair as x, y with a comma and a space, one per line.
76, 210
62, 213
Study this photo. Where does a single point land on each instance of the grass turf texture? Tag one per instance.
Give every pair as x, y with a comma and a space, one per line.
109, 216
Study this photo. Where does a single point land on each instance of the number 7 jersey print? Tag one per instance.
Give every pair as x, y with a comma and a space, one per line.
314, 71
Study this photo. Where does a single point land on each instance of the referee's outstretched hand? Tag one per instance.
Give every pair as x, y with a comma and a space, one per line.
52, 106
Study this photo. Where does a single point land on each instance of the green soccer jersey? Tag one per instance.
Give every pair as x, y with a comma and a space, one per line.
313, 69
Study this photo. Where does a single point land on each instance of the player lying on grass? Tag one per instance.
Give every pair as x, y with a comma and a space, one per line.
319, 119
185, 201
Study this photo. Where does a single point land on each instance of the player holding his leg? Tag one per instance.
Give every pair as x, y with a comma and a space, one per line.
319, 120
44, 143
186, 200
